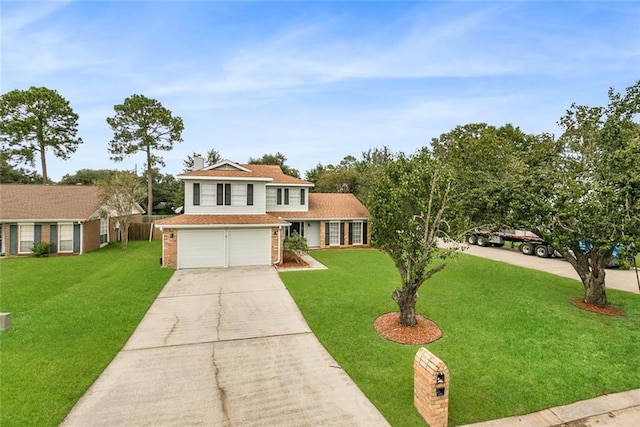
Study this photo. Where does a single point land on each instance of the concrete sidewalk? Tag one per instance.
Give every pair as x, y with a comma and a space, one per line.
612, 410
224, 347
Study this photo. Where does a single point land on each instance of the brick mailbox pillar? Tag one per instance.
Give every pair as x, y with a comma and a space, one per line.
431, 388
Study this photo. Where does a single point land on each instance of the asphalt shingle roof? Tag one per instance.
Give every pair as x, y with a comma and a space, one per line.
255, 171
48, 202
221, 220
329, 206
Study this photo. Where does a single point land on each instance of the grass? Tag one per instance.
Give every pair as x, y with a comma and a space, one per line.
71, 315
512, 341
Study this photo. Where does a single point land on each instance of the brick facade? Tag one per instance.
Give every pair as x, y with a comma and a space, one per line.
431, 388
347, 237
170, 248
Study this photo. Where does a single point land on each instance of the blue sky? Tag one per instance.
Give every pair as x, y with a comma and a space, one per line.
317, 81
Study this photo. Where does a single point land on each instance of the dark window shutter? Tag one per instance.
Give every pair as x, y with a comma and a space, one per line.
342, 233
286, 196
196, 194
326, 234
53, 238
227, 194
364, 233
302, 228
37, 233
13, 239
279, 196
219, 194
76, 238
249, 194
350, 233
302, 196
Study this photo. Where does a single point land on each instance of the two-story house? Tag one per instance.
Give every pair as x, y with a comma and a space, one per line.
238, 215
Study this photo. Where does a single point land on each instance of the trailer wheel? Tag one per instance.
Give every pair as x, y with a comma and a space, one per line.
498, 245
472, 239
526, 248
541, 251
483, 241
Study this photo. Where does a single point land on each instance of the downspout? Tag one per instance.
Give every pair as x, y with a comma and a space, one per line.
279, 247
81, 237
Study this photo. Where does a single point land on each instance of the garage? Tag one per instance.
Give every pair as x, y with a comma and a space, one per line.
224, 247
201, 248
249, 247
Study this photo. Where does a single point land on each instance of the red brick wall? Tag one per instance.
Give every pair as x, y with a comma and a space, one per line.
170, 248
431, 388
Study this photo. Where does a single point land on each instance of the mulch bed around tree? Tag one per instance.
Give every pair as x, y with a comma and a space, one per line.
425, 331
607, 310
291, 260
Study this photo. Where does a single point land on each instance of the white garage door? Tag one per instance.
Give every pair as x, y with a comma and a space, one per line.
201, 248
223, 248
249, 247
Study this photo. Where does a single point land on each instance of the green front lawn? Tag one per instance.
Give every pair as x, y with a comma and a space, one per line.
512, 341
71, 315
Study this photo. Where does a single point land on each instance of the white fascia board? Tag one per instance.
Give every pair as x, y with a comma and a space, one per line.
276, 184
226, 162
42, 220
218, 226
292, 218
224, 178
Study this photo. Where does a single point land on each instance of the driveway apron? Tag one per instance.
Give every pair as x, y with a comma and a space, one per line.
224, 347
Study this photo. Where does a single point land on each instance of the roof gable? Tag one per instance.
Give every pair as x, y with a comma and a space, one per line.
235, 171
227, 165
33, 202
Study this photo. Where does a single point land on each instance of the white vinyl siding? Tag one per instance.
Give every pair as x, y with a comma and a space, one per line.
356, 233
27, 237
334, 233
65, 237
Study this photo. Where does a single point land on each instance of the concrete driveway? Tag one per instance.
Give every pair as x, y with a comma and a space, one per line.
224, 347
624, 280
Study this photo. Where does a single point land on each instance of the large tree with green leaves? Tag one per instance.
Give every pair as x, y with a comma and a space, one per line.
408, 204
86, 176
141, 124
479, 157
581, 192
34, 120
120, 193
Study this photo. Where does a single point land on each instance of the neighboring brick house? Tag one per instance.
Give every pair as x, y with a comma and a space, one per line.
67, 216
239, 214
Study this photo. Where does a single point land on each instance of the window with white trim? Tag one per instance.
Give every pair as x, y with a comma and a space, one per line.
104, 230
207, 194
356, 233
65, 237
334, 233
27, 236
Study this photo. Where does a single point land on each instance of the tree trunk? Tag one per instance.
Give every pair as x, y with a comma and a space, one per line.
406, 300
43, 159
594, 289
124, 236
591, 269
149, 183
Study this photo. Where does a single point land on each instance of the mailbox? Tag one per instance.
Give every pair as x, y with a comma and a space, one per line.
431, 388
